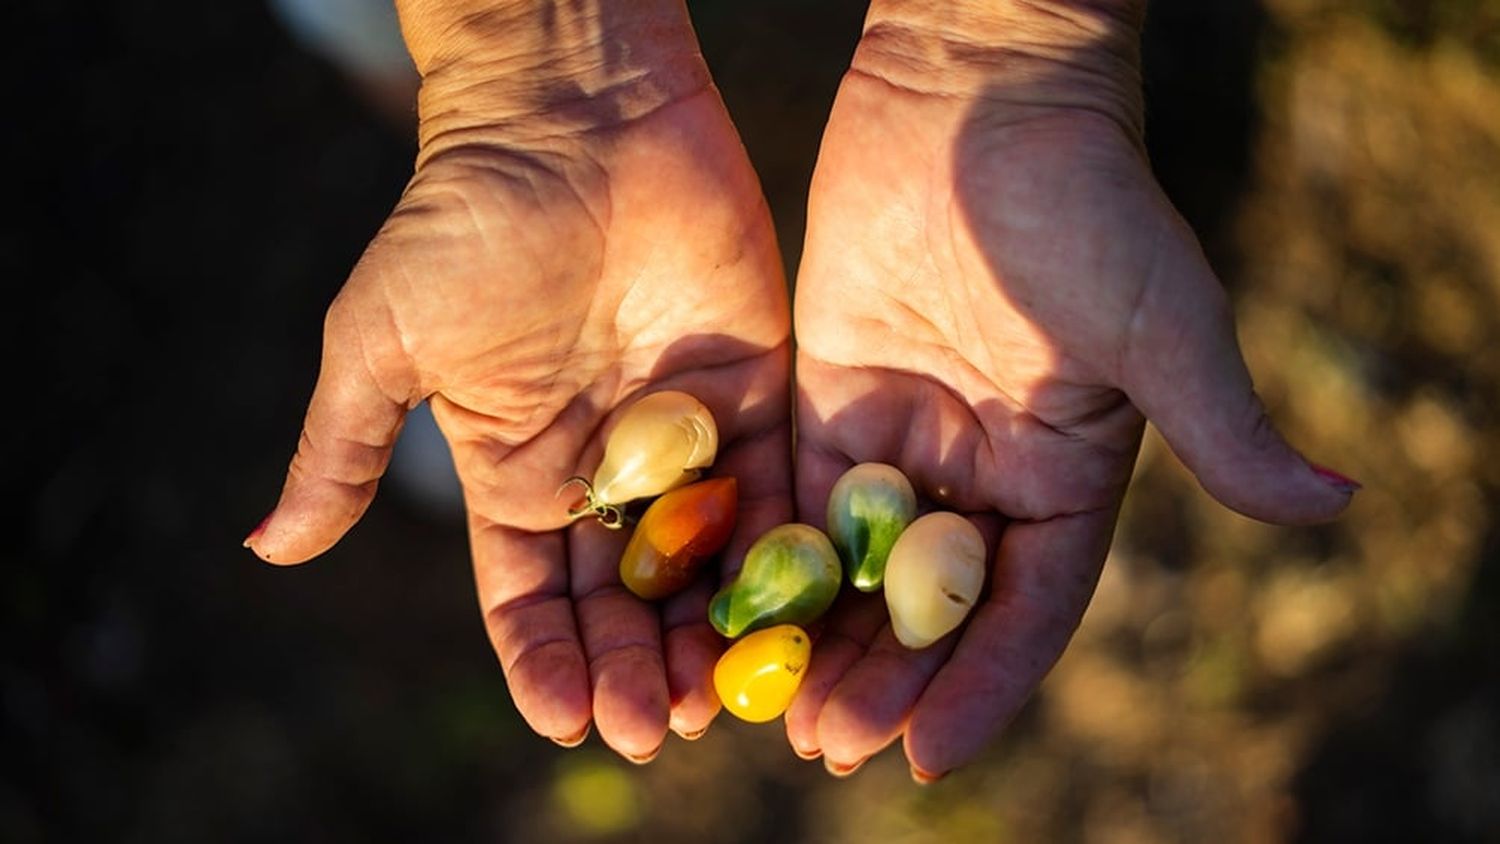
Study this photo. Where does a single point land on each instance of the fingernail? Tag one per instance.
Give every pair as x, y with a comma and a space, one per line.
255, 534
573, 741
643, 759
694, 735
806, 755
842, 771
1339, 482
923, 778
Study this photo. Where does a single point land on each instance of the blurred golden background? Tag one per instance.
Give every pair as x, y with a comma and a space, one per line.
194, 183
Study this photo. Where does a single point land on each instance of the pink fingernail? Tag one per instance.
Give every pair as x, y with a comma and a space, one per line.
1339, 482
694, 735
572, 741
645, 757
842, 770
255, 534
923, 778
806, 755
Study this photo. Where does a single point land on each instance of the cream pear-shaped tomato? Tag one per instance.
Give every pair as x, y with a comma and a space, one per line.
661, 442
868, 508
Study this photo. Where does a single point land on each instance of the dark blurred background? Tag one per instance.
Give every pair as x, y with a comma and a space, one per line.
191, 182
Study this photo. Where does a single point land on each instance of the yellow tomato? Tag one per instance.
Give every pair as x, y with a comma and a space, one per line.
758, 675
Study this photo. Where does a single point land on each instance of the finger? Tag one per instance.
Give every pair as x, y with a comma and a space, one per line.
760, 464
1185, 372
1043, 576
856, 618
868, 708
346, 441
523, 590
621, 636
852, 624
693, 648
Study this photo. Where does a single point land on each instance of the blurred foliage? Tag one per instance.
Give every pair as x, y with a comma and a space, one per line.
1232, 681
595, 794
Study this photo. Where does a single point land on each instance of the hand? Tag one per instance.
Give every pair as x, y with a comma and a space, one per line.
583, 228
993, 291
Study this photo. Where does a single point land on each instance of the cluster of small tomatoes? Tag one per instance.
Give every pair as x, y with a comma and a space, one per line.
931, 567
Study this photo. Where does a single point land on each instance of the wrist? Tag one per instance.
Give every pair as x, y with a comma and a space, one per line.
497, 70
1026, 56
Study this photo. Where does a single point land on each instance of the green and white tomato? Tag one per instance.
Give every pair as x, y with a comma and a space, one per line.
868, 508
791, 576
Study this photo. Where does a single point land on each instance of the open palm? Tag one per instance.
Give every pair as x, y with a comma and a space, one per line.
530, 289
990, 298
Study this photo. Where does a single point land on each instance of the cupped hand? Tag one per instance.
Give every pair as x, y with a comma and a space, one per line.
993, 293
547, 265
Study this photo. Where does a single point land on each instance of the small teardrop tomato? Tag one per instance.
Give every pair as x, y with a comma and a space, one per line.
661, 442
678, 532
757, 677
868, 508
791, 576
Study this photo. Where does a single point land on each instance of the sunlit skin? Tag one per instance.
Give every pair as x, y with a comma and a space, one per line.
759, 674
678, 533
553, 258
993, 293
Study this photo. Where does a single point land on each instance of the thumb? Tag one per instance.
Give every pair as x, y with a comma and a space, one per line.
346, 442
1183, 369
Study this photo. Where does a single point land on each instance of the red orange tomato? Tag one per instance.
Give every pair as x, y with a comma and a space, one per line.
678, 532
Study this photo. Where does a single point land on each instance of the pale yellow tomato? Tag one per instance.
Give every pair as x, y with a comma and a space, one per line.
933, 577
661, 442
757, 677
